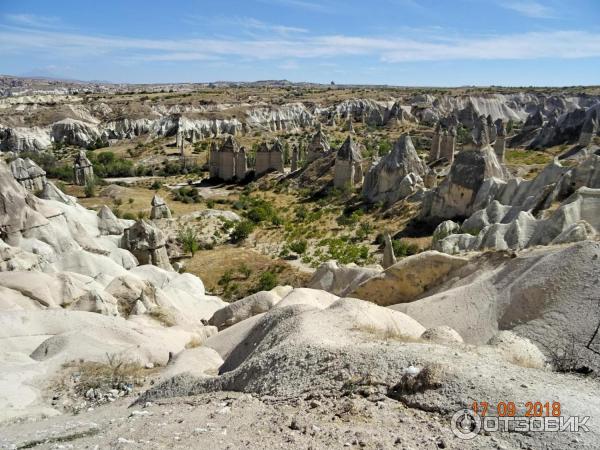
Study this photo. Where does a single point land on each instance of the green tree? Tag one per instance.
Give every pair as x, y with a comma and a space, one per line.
189, 239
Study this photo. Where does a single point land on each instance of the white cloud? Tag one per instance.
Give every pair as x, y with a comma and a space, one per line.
533, 45
530, 9
302, 4
32, 20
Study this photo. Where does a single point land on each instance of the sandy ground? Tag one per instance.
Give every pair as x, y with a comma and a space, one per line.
231, 420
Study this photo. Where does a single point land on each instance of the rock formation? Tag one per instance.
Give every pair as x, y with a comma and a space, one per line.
179, 141
241, 164
160, 210
108, 223
589, 128
576, 220
147, 244
448, 145
228, 162
213, 160
436, 141
269, 158
397, 175
349, 127
500, 144
339, 279
457, 195
348, 169
295, 157
82, 169
318, 147
389, 259
480, 134
28, 174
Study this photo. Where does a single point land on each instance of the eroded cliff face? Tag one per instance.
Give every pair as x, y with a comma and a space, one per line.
35, 122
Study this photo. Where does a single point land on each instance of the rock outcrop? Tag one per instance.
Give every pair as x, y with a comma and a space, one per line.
28, 174
389, 259
83, 170
408, 278
228, 162
339, 279
387, 181
348, 169
160, 210
108, 223
576, 219
148, 244
460, 194
318, 147
269, 159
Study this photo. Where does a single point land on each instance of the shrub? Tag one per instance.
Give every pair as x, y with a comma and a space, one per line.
276, 220
117, 370
129, 216
245, 271
189, 240
267, 281
156, 185
187, 195
242, 230
403, 248
226, 278
364, 229
299, 247
90, 188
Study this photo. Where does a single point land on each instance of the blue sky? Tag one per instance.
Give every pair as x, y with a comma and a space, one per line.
398, 42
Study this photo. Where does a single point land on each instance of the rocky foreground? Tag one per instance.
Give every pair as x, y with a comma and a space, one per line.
104, 345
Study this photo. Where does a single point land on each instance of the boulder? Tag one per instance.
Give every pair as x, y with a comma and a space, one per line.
406, 280
108, 223
51, 192
160, 210
518, 350
442, 335
245, 308
339, 279
147, 243
198, 362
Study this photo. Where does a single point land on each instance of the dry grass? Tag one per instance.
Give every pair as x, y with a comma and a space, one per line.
194, 343
211, 265
390, 333
162, 315
117, 369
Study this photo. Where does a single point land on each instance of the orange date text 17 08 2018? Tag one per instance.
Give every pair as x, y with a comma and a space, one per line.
514, 409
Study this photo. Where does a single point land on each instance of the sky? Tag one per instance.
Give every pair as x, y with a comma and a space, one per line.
395, 42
